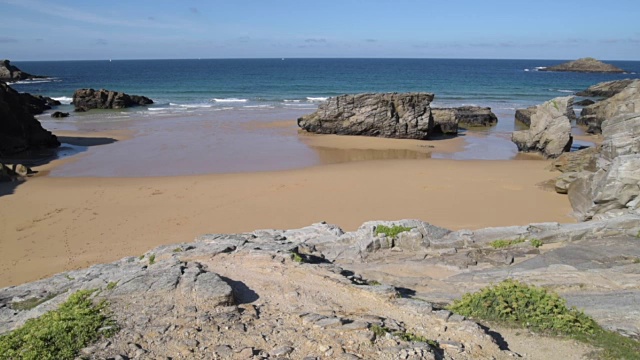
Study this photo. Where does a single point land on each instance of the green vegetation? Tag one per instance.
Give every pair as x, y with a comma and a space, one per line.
296, 257
381, 331
29, 304
373, 283
391, 231
501, 244
141, 257
555, 104
515, 303
61, 333
536, 243
69, 277
177, 250
152, 259
636, 261
112, 285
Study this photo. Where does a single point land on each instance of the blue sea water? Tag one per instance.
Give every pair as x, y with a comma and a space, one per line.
228, 91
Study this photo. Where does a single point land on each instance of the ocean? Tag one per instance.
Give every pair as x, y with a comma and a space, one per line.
227, 93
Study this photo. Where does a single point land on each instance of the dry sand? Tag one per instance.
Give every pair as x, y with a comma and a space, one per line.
52, 224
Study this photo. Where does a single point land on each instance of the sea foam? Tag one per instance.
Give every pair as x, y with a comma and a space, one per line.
317, 98
63, 99
230, 100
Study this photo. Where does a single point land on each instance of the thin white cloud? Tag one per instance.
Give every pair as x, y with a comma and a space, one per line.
70, 13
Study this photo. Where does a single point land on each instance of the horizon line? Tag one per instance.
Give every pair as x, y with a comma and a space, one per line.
305, 58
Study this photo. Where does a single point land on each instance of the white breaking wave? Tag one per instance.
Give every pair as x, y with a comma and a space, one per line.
64, 99
158, 109
540, 67
31, 81
565, 91
258, 106
526, 69
230, 100
317, 98
291, 101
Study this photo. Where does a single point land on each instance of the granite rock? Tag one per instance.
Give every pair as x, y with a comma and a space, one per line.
550, 130
392, 115
605, 89
87, 99
447, 120
625, 101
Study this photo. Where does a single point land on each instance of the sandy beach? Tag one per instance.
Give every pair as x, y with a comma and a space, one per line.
52, 224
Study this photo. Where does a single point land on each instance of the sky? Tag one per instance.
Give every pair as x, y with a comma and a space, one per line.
163, 29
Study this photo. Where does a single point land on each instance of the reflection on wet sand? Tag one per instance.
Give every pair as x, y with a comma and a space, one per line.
329, 155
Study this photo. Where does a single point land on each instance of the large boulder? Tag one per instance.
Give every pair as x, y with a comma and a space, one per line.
550, 130
605, 89
392, 115
10, 72
87, 99
588, 64
524, 115
576, 161
447, 120
625, 101
19, 130
614, 188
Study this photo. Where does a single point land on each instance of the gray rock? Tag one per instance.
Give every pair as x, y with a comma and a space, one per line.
447, 120
605, 89
575, 161
550, 130
10, 72
624, 102
564, 181
524, 115
87, 99
393, 115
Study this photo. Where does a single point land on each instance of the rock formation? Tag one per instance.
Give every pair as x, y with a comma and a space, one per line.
550, 130
19, 130
60, 114
87, 99
320, 292
585, 65
614, 187
625, 101
524, 115
10, 72
392, 115
605, 89
447, 120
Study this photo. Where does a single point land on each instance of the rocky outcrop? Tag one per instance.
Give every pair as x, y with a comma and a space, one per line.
605, 89
320, 291
392, 115
625, 101
60, 114
447, 120
11, 172
575, 161
550, 131
10, 72
37, 104
524, 115
19, 130
614, 188
87, 99
589, 65
584, 102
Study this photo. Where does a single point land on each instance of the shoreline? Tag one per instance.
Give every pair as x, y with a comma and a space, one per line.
53, 224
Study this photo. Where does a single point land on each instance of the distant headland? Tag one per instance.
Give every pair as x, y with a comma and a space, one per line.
587, 65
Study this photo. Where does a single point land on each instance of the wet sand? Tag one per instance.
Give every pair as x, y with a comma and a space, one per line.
51, 224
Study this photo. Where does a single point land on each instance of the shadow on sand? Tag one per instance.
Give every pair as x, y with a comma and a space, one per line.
70, 145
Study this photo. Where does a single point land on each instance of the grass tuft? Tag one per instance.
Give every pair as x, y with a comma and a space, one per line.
61, 333
533, 307
152, 259
536, 243
296, 257
392, 231
112, 285
501, 244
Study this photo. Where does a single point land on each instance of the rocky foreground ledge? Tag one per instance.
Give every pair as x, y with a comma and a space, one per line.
318, 292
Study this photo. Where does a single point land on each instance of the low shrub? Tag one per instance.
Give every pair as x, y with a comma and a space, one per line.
61, 333
514, 303
392, 231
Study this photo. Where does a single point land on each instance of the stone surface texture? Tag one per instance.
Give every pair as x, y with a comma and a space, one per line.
447, 120
19, 130
605, 89
87, 99
392, 115
550, 131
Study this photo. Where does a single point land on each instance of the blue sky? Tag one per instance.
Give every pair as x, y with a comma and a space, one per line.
162, 29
